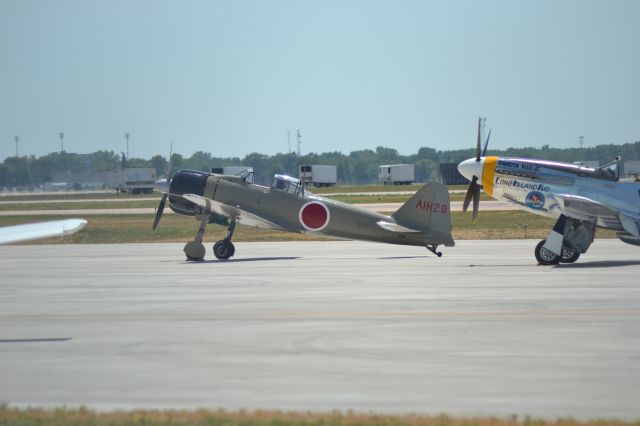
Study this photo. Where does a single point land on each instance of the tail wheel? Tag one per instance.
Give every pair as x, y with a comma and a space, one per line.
544, 256
223, 250
569, 256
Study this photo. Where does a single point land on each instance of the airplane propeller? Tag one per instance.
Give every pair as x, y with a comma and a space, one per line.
164, 186
473, 191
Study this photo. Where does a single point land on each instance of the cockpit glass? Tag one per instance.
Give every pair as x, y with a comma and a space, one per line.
285, 184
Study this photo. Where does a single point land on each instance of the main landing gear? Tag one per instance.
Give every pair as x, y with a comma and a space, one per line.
195, 249
222, 249
547, 257
433, 249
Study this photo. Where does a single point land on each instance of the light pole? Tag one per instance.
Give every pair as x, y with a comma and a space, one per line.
127, 136
61, 136
17, 139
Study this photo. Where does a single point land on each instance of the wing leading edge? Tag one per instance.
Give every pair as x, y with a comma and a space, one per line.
225, 210
583, 208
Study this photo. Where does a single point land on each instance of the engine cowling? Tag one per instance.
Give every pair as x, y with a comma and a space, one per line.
186, 182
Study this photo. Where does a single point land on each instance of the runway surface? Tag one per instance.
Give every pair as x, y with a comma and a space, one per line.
323, 326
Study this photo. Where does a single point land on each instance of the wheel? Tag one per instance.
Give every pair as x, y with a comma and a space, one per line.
194, 250
544, 256
223, 249
569, 256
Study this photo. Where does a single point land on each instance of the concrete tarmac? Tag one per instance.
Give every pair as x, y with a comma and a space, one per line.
323, 326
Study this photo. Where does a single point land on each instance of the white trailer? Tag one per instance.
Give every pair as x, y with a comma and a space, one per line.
134, 180
233, 171
396, 174
319, 175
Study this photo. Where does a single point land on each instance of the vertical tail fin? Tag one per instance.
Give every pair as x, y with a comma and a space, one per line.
429, 211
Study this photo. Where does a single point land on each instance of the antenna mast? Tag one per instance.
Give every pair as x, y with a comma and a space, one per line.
299, 140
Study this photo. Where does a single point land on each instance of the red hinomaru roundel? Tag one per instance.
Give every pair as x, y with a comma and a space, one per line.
314, 216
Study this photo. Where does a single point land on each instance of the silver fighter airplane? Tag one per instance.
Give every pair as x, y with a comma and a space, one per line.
581, 198
424, 220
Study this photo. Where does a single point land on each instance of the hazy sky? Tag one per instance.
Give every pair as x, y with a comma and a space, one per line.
231, 77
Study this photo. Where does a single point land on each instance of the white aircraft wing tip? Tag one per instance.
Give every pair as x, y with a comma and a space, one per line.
71, 226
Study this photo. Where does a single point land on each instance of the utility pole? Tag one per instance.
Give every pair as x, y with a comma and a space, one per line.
299, 140
61, 136
127, 136
581, 141
289, 140
17, 139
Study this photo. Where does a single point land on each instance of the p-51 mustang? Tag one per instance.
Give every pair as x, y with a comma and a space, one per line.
581, 198
424, 220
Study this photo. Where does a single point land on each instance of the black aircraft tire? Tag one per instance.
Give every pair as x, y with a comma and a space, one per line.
223, 250
544, 256
569, 256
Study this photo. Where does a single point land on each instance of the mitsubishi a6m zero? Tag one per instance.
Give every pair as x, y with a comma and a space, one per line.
581, 198
424, 220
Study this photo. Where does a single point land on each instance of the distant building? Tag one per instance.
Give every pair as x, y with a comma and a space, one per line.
80, 180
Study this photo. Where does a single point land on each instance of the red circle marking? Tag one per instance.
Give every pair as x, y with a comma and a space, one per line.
314, 216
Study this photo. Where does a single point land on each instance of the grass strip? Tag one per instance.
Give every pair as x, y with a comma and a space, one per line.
136, 228
83, 416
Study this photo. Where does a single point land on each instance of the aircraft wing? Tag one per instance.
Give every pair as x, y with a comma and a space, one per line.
583, 208
225, 210
34, 231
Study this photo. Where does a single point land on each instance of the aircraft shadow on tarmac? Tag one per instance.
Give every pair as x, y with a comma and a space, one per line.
250, 259
600, 264
41, 340
402, 257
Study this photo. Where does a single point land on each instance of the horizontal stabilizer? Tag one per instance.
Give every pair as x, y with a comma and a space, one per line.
394, 227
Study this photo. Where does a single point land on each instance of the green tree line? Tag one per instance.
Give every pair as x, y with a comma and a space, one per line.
357, 167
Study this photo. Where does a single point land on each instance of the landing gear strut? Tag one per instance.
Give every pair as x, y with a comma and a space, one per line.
432, 248
195, 249
224, 249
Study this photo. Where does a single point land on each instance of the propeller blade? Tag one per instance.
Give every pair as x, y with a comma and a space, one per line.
479, 145
486, 144
169, 170
476, 203
470, 192
163, 200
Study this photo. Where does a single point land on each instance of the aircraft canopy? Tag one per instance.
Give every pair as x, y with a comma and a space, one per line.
285, 183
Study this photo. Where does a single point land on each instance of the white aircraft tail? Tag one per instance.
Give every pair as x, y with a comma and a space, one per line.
428, 211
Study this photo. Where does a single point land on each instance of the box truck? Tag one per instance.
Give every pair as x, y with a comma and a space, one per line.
319, 175
134, 180
396, 174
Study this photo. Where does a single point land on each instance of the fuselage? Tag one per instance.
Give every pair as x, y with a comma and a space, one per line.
534, 184
288, 206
